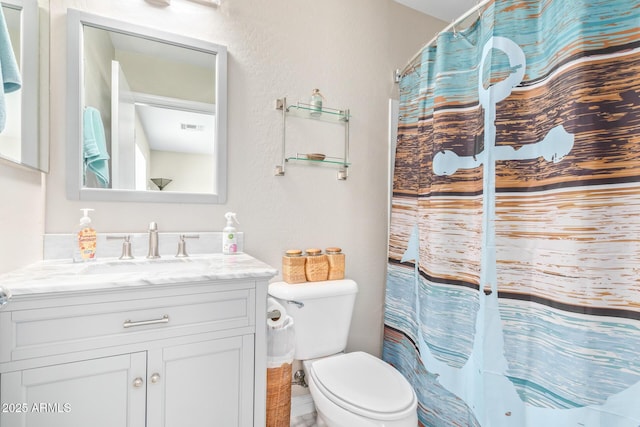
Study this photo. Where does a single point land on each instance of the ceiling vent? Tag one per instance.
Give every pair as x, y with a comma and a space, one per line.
191, 127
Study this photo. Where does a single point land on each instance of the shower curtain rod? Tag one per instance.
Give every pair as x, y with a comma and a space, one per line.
447, 28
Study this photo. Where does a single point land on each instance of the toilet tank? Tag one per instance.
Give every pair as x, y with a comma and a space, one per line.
321, 313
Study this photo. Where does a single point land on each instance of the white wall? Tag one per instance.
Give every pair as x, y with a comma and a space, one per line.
22, 193
189, 172
139, 71
276, 48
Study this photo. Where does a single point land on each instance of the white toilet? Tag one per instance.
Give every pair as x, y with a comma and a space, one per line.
348, 389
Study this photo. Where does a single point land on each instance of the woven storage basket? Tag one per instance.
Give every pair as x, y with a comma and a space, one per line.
279, 396
293, 266
335, 258
317, 266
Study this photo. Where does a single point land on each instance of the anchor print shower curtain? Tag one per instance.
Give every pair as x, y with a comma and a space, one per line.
513, 284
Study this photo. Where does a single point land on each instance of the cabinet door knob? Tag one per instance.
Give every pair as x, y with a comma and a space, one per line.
138, 382
155, 377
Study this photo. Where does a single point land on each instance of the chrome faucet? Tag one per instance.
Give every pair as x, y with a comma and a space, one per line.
153, 241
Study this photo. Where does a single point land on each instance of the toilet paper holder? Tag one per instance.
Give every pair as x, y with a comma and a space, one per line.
274, 314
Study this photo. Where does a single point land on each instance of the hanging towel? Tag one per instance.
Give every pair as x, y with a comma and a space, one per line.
94, 145
9, 71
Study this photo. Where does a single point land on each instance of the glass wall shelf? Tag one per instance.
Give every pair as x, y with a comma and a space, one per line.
329, 160
325, 114
308, 111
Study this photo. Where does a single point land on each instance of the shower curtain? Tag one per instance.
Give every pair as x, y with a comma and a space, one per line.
513, 284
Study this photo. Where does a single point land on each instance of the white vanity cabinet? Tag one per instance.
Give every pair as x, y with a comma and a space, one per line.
93, 392
163, 355
205, 384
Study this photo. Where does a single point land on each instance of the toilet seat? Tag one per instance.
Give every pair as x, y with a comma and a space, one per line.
365, 385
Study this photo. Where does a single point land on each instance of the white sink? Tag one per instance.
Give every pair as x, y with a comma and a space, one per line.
148, 266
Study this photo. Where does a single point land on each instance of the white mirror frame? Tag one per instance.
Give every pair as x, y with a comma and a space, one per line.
33, 154
75, 89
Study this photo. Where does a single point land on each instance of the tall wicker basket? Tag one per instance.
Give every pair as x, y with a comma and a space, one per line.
279, 396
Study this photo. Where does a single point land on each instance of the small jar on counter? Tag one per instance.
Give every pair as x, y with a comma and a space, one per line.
293, 264
335, 257
316, 266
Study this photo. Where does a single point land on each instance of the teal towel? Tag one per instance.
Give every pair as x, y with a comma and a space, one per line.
94, 145
9, 71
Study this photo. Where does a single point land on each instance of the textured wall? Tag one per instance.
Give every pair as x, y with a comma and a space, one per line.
277, 48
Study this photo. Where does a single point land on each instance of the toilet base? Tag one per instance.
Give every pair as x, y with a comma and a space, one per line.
320, 422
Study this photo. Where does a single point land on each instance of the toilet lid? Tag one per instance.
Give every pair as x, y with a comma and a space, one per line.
364, 384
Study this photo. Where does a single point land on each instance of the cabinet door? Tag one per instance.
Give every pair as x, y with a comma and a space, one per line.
203, 384
96, 393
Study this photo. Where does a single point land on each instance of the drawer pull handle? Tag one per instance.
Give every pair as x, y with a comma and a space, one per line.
130, 324
138, 382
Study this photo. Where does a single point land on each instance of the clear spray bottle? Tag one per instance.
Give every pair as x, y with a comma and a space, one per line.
229, 238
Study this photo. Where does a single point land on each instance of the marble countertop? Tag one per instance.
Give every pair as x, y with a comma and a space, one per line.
108, 273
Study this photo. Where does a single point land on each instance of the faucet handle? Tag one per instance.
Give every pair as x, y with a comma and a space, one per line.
126, 246
182, 245
153, 226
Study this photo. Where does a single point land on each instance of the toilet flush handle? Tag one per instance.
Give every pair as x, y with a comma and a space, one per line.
298, 303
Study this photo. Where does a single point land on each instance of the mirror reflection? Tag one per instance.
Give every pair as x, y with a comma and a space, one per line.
20, 70
10, 93
151, 113
157, 126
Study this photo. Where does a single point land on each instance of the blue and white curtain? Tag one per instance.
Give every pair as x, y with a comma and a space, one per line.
513, 286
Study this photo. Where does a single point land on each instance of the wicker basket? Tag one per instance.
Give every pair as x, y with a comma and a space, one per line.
293, 266
279, 396
336, 263
317, 265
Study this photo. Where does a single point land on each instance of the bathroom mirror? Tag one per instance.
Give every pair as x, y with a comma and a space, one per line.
146, 114
20, 136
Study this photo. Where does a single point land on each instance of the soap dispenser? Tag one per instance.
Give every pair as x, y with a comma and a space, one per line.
229, 238
86, 242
